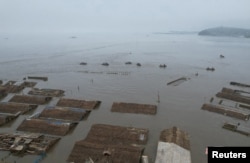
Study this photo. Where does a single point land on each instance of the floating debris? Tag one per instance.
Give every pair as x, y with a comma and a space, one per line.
237, 128
110, 143
239, 84
177, 81
133, 108
38, 100
21, 144
234, 95
51, 127
105, 64
75, 103
38, 78
210, 69
226, 111
47, 92
174, 145
162, 65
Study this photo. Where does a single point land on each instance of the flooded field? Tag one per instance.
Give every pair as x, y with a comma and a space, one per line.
58, 57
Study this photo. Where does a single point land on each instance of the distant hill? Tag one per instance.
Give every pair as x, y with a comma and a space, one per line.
226, 31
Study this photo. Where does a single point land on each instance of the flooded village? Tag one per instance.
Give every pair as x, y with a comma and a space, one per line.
124, 81
112, 104
41, 130
38, 132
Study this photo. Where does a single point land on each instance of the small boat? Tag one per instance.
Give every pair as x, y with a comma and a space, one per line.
138, 64
210, 69
162, 65
105, 64
83, 63
128, 63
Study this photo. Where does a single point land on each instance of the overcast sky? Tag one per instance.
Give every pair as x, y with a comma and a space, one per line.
121, 15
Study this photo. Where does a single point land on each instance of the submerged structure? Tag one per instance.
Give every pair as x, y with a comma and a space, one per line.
38, 78
107, 143
232, 112
46, 126
22, 144
63, 114
234, 95
177, 81
14, 108
3, 92
75, 103
38, 100
10, 111
133, 108
173, 147
237, 128
47, 92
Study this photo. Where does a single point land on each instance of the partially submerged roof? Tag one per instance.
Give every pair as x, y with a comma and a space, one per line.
75, 103
47, 92
50, 127
5, 118
64, 114
2, 120
133, 108
13, 86
44, 78
237, 128
176, 136
107, 143
173, 147
26, 143
85, 151
14, 108
109, 134
172, 153
3, 92
234, 95
232, 112
29, 83
38, 100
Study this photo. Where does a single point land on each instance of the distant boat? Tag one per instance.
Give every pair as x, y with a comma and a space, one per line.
222, 56
105, 64
83, 63
138, 64
128, 63
162, 65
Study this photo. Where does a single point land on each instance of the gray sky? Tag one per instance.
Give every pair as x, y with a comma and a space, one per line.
121, 15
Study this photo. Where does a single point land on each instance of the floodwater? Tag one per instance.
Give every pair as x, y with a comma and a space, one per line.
58, 57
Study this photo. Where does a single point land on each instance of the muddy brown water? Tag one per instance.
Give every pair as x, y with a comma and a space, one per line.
58, 57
